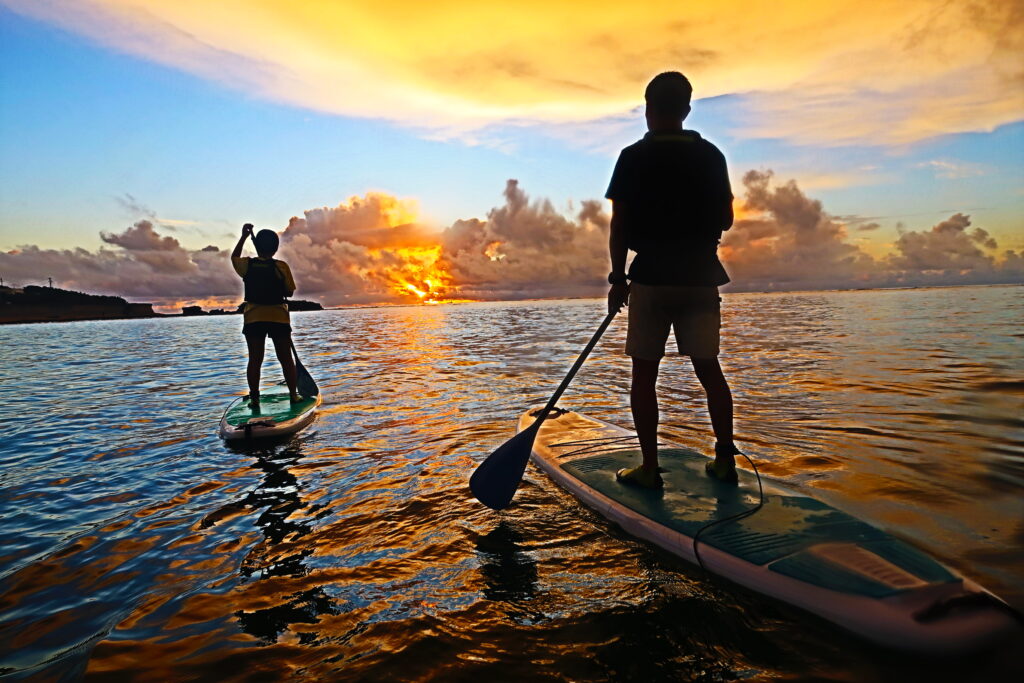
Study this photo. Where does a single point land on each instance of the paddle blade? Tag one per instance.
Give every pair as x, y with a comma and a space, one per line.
304, 381
496, 479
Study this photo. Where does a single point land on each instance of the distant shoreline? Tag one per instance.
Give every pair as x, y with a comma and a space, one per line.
34, 304
117, 308
154, 315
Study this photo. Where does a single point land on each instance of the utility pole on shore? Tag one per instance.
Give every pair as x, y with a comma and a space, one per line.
51, 282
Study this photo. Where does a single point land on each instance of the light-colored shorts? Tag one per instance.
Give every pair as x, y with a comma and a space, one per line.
693, 312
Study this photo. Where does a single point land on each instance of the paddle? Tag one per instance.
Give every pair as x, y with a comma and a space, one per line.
303, 380
495, 480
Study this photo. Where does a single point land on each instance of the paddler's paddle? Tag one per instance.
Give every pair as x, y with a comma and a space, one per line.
303, 380
496, 479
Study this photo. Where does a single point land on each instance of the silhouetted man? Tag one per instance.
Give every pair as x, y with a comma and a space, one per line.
671, 201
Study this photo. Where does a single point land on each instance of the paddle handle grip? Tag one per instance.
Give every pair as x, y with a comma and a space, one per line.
575, 368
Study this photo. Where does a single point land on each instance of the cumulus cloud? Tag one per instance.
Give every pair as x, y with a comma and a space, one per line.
812, 72
948, 246
527, 248
372, 249
143, 266
787, 240
368, 249
141, 237
790, 241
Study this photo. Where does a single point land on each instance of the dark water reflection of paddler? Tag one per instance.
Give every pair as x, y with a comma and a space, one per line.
509, 572
280, 554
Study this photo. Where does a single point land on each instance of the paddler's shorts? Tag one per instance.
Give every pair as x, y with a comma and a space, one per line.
262, 330
693, 312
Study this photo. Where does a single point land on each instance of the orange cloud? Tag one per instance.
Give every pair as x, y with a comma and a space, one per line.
839, 72
371, 249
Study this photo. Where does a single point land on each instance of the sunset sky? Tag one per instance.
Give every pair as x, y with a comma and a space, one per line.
135, 136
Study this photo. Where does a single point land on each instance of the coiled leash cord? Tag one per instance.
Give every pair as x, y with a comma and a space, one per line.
730, 518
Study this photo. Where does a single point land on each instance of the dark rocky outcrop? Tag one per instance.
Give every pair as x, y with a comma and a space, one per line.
33, 304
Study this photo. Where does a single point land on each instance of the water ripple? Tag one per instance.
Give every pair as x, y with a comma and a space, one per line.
137, 545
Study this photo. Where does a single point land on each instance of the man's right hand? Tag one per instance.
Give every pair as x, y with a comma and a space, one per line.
618, 296
246, 229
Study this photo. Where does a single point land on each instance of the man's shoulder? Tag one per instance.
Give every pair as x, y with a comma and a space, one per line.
709, 148
632, 150
632, 156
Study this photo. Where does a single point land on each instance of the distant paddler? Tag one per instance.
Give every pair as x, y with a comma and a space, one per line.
268, 282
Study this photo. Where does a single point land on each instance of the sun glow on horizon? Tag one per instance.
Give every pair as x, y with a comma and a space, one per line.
418, 274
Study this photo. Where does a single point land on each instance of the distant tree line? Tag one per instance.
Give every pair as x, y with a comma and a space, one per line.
31, 295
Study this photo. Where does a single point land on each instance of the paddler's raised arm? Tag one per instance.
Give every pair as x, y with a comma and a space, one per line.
246, 231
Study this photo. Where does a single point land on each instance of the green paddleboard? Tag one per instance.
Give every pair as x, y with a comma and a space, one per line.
276, 416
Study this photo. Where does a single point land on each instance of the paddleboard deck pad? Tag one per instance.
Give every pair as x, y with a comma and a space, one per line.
795, 548
276, 416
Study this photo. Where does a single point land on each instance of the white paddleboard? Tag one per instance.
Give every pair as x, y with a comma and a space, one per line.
795, 548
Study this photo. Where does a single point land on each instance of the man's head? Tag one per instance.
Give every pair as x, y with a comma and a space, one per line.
668, 100
266, 243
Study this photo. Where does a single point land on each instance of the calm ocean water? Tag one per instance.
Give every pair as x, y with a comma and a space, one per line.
136, 545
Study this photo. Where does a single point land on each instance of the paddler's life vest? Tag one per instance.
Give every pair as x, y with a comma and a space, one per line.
264, 283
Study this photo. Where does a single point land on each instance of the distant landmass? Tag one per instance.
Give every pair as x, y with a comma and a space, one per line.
34, 304
296, 305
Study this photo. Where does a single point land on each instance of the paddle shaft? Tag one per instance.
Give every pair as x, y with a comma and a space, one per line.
495, 480
575, 368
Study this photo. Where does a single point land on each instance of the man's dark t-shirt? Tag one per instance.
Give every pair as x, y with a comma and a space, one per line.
674, 188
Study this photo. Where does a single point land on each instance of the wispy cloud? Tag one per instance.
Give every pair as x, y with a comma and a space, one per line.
822, 180
952, 170
830, 73
133, 207
136, 210
176, 222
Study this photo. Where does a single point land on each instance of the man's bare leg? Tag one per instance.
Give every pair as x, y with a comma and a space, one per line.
709, 372
643, 401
